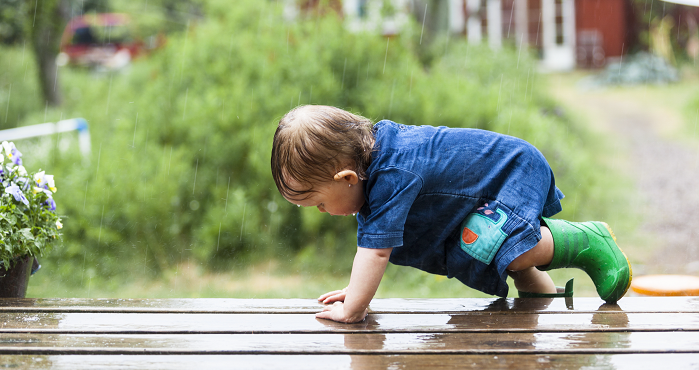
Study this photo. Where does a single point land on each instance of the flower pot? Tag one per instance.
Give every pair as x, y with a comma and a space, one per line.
13, 282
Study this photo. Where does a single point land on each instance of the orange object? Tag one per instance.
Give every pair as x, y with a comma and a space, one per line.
666, 285
468, 236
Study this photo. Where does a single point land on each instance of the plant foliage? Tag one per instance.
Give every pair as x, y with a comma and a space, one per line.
28, 221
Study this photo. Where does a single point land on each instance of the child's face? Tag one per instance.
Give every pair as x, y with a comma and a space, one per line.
342, 196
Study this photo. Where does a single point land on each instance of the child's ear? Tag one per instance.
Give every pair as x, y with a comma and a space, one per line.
347, 175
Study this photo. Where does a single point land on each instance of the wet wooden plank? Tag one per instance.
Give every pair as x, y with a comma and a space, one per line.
393, 343
354, 362
392, 305
439, 334
307, 323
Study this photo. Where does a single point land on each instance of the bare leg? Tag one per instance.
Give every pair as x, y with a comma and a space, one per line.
533, 281
523, 269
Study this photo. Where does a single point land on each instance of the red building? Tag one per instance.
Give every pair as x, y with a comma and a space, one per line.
605, 29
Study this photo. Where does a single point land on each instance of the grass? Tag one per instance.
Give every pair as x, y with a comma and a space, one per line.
673, 107
673, 112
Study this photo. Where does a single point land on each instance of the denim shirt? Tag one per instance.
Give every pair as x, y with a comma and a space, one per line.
424, 181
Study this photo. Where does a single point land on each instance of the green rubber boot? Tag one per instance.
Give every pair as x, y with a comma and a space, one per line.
591, 247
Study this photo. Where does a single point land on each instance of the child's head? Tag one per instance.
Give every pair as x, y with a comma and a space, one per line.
313, 143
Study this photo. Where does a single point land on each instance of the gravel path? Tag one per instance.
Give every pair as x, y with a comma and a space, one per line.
665, 170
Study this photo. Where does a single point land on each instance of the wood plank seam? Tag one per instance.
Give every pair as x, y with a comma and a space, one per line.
255, 312
179, 351
349, 331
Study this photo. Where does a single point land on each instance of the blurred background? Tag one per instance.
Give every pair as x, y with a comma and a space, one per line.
174, 198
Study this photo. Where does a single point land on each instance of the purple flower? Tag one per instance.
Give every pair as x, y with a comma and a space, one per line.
16, 157
23, 183
51, 203
17, 193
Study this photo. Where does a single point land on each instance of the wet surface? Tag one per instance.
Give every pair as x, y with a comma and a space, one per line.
393, 343
356, 362
447, 334
223, 305
262, 323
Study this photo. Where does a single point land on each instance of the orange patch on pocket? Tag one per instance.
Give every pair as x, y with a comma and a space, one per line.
468, 236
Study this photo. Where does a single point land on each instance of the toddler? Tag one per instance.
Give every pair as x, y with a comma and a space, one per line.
469, 204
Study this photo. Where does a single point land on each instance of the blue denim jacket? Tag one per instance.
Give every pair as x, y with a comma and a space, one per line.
425, 181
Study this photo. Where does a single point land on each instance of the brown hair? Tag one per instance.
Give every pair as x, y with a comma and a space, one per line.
313, 142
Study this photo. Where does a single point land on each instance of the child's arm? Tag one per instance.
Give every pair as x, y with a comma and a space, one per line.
367, 270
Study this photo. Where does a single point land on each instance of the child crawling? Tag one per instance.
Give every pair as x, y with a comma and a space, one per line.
469, 204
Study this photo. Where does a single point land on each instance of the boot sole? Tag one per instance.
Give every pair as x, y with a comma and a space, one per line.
609, 229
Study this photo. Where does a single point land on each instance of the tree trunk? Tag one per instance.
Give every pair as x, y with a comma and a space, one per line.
45, 23
433, 15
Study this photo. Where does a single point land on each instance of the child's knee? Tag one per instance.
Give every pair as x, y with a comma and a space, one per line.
518, 264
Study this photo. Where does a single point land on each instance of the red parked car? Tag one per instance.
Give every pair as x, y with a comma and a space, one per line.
99, 40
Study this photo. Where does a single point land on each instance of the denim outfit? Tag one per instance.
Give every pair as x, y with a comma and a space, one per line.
457, 202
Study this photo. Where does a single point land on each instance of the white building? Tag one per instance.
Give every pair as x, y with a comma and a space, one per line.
488, 21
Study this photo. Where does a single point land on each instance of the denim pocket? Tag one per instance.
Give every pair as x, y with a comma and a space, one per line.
482, 235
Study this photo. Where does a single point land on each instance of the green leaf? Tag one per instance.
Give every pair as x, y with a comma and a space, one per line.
10, 218
27, 233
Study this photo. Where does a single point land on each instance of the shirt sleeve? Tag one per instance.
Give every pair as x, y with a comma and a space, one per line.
390, 197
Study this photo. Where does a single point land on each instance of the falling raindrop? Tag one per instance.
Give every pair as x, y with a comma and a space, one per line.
133, 142
342, 85
219, 236
85, 200
109, 93
196, 168
184, 111
7, 109
388, 40
424, 16
228, 189
99, 236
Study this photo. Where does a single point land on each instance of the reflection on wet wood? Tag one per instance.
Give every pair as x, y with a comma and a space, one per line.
393, 343
391, 305
307, 323
399, 333
354, 362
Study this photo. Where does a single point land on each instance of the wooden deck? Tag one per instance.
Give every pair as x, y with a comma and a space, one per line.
582, 333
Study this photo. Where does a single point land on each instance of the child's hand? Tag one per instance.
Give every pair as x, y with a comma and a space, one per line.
334, 296
336, 312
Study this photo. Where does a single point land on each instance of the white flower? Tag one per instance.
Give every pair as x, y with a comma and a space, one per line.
2, 159
49, 181
8, 148
59, 225
37, 189
21, 170
39, 177
45, 181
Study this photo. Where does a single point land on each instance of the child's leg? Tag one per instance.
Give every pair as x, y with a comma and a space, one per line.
540, 255
523, 271
532, 280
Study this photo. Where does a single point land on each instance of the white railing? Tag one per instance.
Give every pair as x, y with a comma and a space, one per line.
51, 128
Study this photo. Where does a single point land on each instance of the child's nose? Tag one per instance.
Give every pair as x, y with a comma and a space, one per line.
321, 209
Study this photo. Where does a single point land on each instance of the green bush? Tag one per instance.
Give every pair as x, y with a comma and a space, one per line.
181, 140
19, 89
